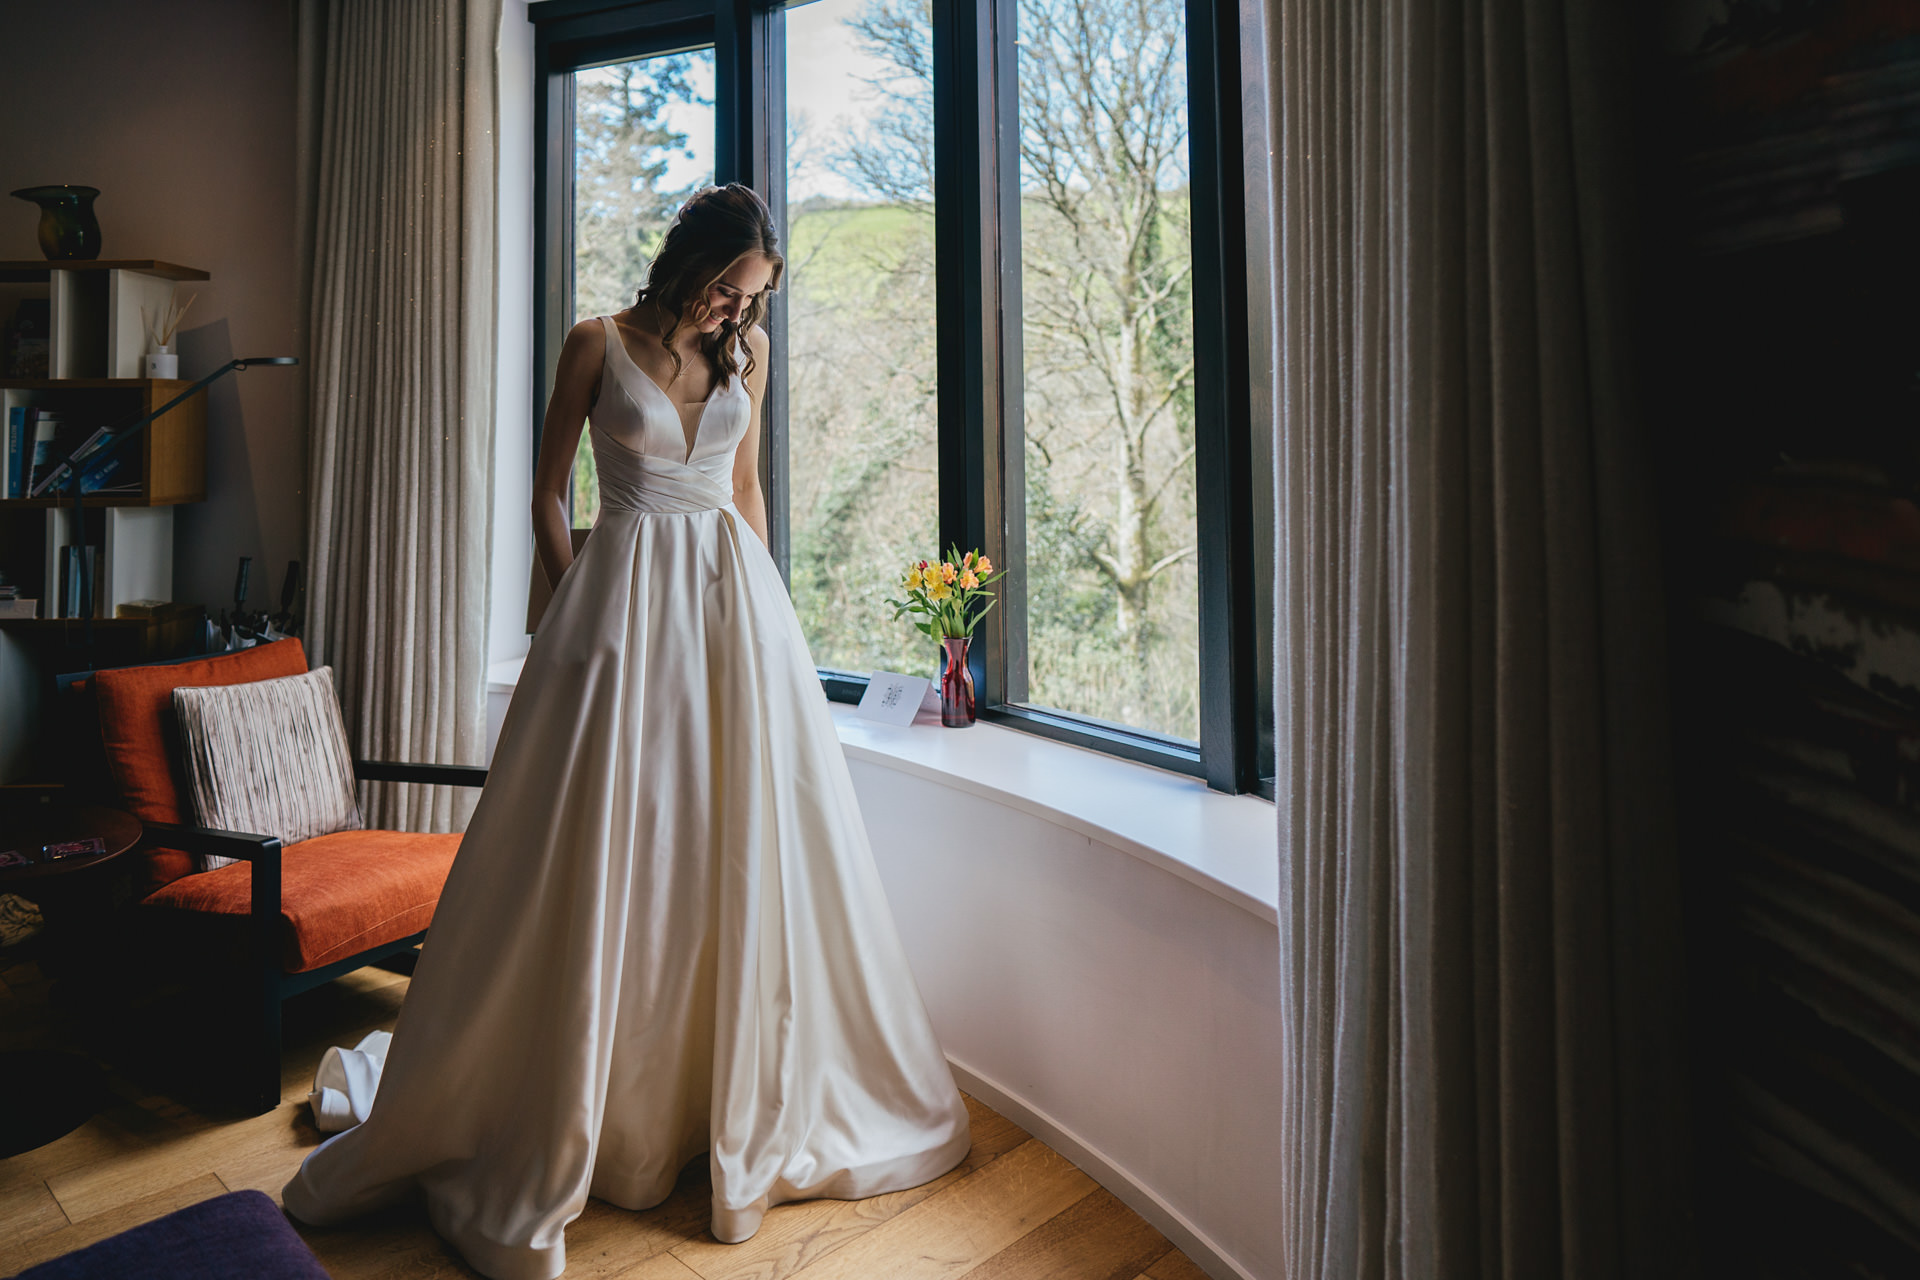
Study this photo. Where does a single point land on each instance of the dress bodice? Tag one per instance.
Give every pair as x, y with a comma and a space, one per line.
640, 448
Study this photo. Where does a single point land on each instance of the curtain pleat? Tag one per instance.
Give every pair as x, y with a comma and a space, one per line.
1479, 940
400, 122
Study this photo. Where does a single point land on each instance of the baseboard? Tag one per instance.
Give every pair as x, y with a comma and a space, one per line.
1188, 1238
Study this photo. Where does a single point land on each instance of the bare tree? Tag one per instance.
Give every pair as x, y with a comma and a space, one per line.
1103, 152
623, 148
1105, 250
624, 145
893, 159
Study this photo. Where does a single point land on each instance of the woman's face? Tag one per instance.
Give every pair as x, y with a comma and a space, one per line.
728, 297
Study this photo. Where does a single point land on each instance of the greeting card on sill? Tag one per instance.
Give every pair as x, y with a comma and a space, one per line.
892, 698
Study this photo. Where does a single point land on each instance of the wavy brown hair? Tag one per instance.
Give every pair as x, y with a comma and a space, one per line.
714, 229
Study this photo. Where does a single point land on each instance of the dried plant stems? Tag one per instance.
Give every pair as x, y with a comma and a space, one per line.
162, 327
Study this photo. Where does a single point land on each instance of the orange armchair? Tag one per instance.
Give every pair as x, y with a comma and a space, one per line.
311, 911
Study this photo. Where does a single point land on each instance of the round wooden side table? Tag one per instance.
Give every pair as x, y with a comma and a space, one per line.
51, 1092
62, 824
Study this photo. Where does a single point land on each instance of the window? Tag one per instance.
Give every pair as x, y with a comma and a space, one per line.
1015, 318
642, 143
862, 430
1106, 285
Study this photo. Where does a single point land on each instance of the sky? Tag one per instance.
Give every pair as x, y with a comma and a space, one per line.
825, 88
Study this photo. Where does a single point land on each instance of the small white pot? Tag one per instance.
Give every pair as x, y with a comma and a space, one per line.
163, 363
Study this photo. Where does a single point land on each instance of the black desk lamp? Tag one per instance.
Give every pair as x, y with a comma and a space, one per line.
121, 435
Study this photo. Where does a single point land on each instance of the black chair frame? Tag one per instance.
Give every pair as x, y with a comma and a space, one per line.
272, 984
268, 984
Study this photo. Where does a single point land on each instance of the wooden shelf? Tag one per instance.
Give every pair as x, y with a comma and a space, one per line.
172, 451
55, 624
96, 314
37, 268
89, 384
116, 641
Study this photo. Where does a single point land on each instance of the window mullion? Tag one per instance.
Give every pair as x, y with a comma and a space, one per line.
1223, 467
750, 88
552, 224
976, 242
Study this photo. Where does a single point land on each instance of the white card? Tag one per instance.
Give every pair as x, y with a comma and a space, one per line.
892, 698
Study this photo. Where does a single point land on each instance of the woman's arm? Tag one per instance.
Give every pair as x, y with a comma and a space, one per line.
748, 498
576, 383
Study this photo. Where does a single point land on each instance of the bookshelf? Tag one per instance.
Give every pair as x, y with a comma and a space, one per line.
96, 348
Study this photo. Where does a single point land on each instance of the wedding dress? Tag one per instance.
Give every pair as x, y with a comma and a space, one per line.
663, 933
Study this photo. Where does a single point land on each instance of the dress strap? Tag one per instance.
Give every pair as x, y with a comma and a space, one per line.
607, 375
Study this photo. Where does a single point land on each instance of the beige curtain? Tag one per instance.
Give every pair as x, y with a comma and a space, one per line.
1480, 956
399, 107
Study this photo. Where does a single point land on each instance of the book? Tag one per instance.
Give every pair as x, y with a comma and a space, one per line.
19, 607
94, 443
83, 848
45, 426
29, 444
28, 345
70, 595
66, 451
98, 476
16, 460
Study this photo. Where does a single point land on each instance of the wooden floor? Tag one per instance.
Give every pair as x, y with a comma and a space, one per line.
1013, 1210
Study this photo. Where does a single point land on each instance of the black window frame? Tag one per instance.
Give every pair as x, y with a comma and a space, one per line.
978, 314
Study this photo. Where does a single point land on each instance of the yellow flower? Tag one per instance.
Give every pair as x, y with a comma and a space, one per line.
968, 580
985, 565
948, 573
914, 580
938, 590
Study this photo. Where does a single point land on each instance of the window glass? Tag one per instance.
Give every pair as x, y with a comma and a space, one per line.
1107, 354
861, 434
642, 142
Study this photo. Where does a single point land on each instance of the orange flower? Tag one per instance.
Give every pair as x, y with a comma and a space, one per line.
985, 565
948, 573
968, 580
967, 563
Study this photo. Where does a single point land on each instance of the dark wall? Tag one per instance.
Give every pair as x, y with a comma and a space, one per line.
183, 116
1783, 326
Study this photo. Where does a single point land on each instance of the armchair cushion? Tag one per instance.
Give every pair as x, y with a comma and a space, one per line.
137, 724
140, 737
340, 894
268, 756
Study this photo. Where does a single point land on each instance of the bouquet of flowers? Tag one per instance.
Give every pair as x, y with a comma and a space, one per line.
951, 595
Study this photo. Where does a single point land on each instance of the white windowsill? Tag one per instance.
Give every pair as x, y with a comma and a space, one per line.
1227, 845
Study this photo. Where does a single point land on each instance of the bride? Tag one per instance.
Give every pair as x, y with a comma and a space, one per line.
664, 934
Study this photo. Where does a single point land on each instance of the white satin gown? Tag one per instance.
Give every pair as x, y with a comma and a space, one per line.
663, 933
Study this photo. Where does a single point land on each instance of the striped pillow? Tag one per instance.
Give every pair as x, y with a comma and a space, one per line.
268, 757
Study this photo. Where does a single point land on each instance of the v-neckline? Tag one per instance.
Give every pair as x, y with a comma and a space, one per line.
700, 420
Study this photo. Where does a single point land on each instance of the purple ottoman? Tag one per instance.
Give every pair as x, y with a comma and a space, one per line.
238, 1236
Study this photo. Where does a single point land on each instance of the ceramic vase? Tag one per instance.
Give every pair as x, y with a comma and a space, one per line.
68, 230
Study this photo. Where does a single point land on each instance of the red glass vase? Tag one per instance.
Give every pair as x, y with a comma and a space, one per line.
956, 683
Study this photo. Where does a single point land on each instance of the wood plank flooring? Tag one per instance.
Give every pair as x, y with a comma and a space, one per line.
1013, 1210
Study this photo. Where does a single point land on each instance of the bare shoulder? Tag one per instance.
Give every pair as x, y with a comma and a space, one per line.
758, 346
589, 337
577, 372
